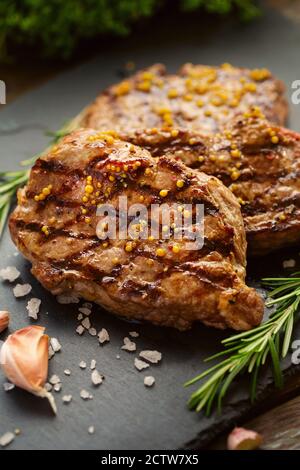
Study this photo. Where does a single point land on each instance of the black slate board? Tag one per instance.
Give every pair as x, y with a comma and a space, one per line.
124, 413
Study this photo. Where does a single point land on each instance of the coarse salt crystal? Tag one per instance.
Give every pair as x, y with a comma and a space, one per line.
67, 372
6, 439
82, 365
134, 334
50, 352
103, 336
152, 356
93, 331
91, 430
33, 308
7, 386
56, 346
67, 398
80, 330
289, 263
85, 395
57, 387
9, 274
97, 379
54, 379
20, 290
79, 317
86, 323
140, 365
149, 381
93, 364
128, 345
85, 311
48, 387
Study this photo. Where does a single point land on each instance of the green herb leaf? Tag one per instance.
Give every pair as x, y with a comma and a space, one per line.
248, 351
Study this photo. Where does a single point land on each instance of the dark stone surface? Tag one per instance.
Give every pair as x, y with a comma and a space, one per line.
125, 414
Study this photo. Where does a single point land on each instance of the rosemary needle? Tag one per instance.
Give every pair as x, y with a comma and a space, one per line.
247, 352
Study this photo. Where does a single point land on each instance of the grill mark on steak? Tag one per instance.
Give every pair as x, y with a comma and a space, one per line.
135, 283
220, 282
223, 246
267, 173
258, 207
146, 190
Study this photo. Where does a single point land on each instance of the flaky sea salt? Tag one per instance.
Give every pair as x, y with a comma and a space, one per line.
56, 346
149, 381
67, 398
6, 439
86, 311
140, 365
20, 290
9, 274
96, 378
128, 345
103, 336
152, 356
48, 387
289, 263
50, 352
86, 323
33, 308
54, 379
85, 395
80, 330
57, 387
134, 334
7, 386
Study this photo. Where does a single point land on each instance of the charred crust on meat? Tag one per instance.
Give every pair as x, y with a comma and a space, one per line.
55, 222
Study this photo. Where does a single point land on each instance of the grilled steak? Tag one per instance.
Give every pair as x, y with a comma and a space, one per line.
199, 97
159, 280
258, 161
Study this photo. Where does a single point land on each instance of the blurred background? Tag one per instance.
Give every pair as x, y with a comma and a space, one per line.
39, 39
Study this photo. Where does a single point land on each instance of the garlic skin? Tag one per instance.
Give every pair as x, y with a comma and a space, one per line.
24, 360
243, 439
4, 320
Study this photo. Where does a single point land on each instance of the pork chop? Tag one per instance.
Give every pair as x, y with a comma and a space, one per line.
199, 97
56, 227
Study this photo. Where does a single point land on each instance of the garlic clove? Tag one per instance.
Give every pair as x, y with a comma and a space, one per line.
243, 439
4, 320
24, 360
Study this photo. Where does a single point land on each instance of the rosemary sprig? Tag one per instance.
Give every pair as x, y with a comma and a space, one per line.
10, 181
247, 352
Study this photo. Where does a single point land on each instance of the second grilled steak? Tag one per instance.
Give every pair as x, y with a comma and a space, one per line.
153, 279
199, 97
258, 161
